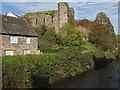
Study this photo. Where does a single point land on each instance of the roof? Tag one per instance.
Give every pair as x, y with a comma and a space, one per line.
12, 15
16, 26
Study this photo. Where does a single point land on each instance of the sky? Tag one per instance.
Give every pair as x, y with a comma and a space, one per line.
85, 9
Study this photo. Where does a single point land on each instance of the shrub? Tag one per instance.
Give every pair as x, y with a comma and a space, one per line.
70, 36
110, 55
72, 54
14, 72
19, 71
46, 37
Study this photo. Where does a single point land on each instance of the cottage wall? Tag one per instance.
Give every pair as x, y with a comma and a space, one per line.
19, 47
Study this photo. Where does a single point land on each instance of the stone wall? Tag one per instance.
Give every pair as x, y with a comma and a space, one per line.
53, 18
56, 21
1, 45
71, 12
63, 10
19, 47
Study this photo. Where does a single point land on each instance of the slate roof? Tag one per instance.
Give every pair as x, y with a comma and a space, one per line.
16, 26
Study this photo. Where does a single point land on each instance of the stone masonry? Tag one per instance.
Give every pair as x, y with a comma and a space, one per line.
19, 47
54, 18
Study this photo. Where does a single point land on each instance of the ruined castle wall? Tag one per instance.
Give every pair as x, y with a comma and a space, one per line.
31, 19
37, 20
48, 21
40, 20
53, 18
71, 12
56, 22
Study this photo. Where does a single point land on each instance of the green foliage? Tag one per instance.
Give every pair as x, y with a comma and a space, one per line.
53, 49
59, 38
84, 23
51, 13
71, 20
65, 54
69, 61
72, 54
101, 32
101, 37
118, 47
18, 70
110, 55
72, 37
46, 37
88, 46
14, 72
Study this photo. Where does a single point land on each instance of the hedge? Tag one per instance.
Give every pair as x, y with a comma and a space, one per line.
19, 71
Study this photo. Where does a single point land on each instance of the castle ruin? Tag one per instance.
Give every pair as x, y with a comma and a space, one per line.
54, 18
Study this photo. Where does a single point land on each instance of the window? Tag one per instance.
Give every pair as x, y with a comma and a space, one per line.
13, 39
36, 21
26, 51
9, 52
28, 40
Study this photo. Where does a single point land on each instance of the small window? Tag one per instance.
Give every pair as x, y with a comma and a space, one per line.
28, 40
13, 39
36, 21
26, 51
9, 52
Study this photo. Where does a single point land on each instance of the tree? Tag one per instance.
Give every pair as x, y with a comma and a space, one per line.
118, 45
84, 23
101, 37
73, 37
46, 37
103, 19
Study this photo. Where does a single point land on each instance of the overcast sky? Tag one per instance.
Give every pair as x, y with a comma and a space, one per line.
83, 10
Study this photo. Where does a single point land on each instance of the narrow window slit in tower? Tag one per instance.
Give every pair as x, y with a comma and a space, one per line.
36, 21
44, 21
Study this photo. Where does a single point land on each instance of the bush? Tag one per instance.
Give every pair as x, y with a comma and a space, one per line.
70, 36
14, 72
19, 71
46, 37
53, 49
30, 70
72, 54
110, 55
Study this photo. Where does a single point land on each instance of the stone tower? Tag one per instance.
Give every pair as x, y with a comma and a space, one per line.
63, 9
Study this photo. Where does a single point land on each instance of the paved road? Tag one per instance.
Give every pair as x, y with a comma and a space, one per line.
108, 77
